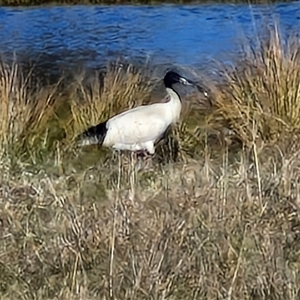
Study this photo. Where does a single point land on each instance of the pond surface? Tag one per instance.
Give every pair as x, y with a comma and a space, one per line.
191, 35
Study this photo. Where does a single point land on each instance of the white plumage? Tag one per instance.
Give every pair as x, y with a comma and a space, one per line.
141, 127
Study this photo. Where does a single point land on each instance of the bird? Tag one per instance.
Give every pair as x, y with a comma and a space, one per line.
140, 128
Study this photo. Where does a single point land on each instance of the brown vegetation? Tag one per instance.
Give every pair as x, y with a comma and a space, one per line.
261, 99
219, 222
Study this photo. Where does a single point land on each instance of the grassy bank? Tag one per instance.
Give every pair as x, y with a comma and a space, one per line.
139, 2
215, 217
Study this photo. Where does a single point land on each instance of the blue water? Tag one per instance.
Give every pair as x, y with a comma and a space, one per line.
181, 34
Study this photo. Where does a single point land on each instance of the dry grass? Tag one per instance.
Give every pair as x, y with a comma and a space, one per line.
25, 108
260, 97
198, 230
220, 222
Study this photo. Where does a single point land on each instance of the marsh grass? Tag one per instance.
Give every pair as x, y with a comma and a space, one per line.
221, 221
26, 109
199, 230
260, 97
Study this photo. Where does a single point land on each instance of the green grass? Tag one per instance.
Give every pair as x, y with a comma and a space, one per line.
215, 217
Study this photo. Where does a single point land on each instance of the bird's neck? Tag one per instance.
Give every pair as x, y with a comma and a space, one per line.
174, 105
174, 95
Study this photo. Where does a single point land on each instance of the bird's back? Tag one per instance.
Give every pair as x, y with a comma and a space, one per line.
140, 124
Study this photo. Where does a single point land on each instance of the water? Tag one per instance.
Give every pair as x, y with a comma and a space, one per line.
191, 35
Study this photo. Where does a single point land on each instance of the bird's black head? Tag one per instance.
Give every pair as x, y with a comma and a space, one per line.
172, 77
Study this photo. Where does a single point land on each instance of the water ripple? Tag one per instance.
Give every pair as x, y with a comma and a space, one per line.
185, 34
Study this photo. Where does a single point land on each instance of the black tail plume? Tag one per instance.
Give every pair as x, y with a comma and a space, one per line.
93, 135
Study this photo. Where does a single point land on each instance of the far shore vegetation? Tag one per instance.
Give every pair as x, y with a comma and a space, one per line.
120, 2
214, 215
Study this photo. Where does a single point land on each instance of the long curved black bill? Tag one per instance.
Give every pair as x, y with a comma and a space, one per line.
185, 81
204, 92
201, 90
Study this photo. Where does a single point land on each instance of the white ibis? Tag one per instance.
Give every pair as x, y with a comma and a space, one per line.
138, 129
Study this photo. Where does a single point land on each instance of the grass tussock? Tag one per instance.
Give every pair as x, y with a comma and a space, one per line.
220, 222
26, 108
260, 96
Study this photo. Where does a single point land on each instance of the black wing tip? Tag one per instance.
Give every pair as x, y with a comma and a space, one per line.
93, 135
